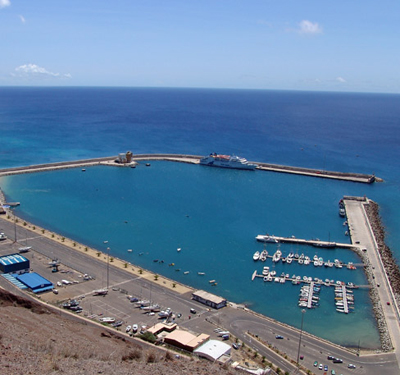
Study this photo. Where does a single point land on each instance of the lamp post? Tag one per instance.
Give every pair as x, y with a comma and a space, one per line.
108, 265
301, 333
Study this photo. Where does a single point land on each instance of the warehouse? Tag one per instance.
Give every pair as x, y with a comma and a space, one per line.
14, 263
35, 282
209, 299
214, 350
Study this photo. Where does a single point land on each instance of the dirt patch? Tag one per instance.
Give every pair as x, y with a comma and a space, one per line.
35, 340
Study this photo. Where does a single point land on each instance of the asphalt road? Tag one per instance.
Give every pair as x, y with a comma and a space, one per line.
236, 320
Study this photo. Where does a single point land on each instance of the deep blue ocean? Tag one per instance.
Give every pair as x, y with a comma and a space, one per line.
212, 214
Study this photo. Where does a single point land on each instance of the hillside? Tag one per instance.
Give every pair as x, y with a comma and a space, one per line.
35, 340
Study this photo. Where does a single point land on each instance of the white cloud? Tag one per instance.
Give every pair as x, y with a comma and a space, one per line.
341, 80
4, 3
308, 27
22, 18
35, 71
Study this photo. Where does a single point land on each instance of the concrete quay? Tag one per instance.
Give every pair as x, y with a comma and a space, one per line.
382, 295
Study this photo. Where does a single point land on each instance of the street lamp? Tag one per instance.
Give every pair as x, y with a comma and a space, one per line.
301, 333
108, 265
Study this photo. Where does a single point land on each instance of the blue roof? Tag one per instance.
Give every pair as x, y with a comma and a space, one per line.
34, 281
12, 259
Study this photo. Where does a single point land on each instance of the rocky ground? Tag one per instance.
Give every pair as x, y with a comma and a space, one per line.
35, 340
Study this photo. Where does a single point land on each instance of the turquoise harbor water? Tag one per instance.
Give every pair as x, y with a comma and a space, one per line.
212, 214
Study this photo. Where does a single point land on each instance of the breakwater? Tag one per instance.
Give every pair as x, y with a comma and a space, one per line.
194, 159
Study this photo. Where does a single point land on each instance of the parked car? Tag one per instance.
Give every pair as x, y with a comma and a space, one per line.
193, 311
326, 368
235, 346
321, 366
315, 363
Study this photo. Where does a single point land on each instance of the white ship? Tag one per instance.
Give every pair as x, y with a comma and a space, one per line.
227, 161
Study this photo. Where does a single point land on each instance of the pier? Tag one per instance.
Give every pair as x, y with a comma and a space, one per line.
294, 240
310, 295
191, 159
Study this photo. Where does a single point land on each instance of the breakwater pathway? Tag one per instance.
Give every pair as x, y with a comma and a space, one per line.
194, 159
362, 217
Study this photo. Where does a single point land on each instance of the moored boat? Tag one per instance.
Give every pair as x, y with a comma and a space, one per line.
227, 161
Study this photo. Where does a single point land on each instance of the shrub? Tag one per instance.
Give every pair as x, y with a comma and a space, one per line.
148, 336
133, 354
151, 357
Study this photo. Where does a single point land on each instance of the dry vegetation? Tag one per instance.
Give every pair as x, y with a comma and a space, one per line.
34, 340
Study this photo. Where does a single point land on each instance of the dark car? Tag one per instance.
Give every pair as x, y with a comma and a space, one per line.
331, 357
235, 346
338, 360
279, 337
76, 308
193, 311
118, 323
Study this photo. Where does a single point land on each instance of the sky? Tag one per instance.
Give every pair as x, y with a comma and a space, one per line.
321, 45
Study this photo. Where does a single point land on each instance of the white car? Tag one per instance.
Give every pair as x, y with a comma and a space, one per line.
128, 329
351, 366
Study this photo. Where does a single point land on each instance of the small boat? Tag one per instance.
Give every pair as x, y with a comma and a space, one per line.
263, 255
178, 249
201, 273
22, 249
267, 238
256, 256
100, 292
129, 250
186, 272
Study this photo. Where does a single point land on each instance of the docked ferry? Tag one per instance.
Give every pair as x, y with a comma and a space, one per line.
227, 161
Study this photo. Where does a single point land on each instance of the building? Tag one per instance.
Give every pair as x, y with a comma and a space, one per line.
14, 263
162, 327
185, 340
35, 282
209, 299
213, 350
